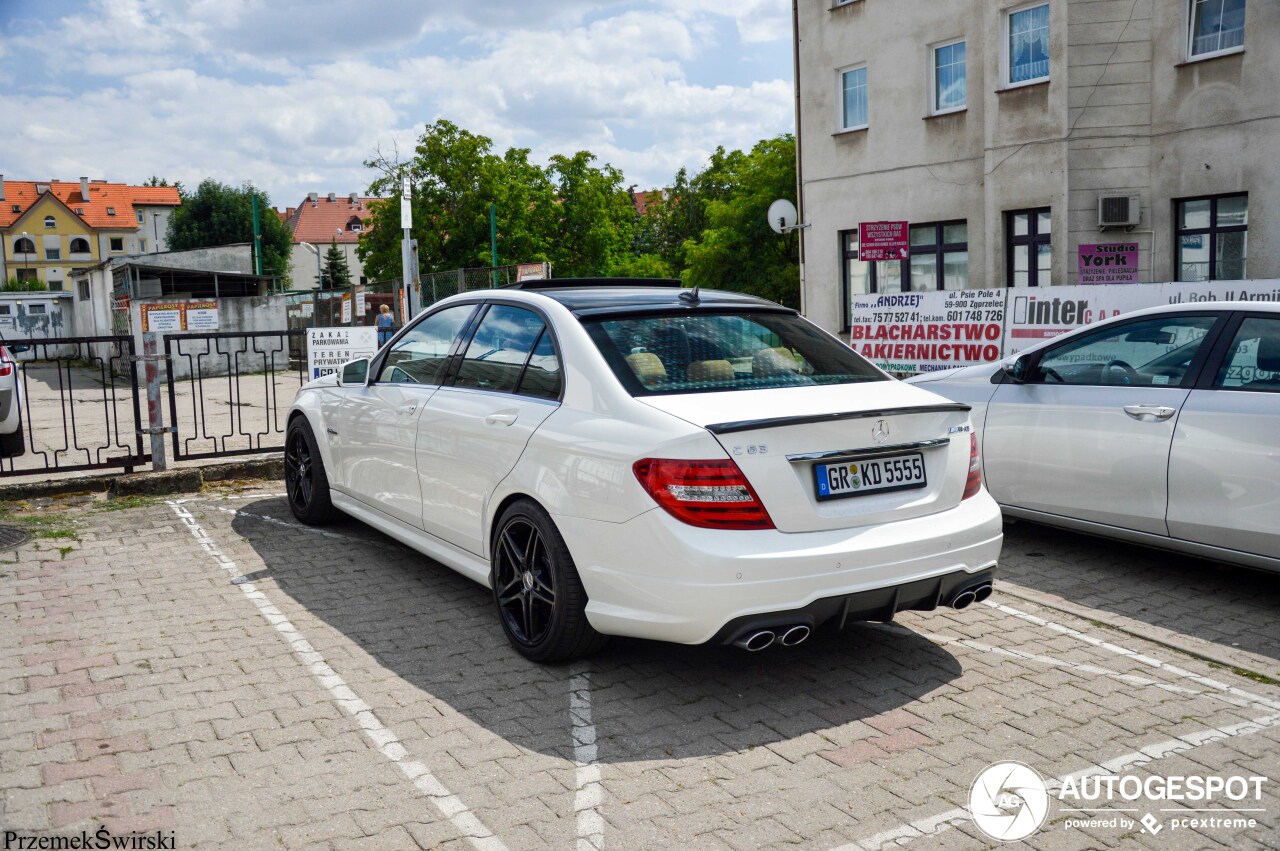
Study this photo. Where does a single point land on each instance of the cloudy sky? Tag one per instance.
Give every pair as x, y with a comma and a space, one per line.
294, 94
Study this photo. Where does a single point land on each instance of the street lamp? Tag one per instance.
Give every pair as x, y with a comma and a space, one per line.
351, 280
26, 262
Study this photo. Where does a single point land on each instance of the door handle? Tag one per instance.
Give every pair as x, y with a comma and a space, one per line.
1150, 413
406, 409
501, 418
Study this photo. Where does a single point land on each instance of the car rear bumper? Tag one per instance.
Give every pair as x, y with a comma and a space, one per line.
655, 577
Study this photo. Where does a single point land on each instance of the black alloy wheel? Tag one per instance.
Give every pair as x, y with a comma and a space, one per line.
525, 584
305, 481
540, 598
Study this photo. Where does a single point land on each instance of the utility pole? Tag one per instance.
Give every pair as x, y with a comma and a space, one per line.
257, 237
406, 224
493, 244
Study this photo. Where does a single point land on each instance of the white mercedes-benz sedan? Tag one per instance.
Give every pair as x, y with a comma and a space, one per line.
633, 458
1159, 427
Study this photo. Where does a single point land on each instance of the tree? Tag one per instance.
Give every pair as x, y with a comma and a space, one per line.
154, 180
217, 214
335, 274
597, 217
736, 249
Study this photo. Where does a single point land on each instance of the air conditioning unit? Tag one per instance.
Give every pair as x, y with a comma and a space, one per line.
1119, 211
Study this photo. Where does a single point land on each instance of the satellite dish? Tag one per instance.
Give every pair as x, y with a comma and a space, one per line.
782, 216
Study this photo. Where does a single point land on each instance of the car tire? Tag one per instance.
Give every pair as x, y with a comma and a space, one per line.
540, 599
306, 485
13, 444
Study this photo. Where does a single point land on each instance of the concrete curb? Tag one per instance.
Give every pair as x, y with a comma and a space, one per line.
1207, 651
183, 480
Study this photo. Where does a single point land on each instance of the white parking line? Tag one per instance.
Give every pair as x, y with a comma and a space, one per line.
933, 825
382, 737
1182, 673
589, 797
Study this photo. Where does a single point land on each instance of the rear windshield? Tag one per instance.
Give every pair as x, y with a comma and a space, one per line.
713, 352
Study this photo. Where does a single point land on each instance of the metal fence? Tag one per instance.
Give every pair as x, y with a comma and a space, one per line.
79, 405
438, 285
237, 391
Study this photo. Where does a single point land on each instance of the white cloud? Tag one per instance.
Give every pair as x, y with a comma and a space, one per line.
294, 95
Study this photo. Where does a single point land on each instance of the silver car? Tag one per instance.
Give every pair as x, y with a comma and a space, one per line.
1160, 427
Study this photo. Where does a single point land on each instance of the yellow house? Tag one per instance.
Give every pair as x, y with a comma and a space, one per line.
52, 230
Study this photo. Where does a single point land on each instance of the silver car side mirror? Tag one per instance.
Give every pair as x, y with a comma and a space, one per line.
1017, 369
355, 373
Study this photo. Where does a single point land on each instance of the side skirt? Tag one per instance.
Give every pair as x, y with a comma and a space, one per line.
471, 566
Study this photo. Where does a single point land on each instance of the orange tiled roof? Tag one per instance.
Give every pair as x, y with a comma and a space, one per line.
321, 221
94, 211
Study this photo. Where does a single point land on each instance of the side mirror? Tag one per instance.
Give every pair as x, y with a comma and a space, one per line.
355, 373
1018, 369
19, 349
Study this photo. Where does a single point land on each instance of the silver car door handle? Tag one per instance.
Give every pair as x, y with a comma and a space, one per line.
1150, 413
501, 418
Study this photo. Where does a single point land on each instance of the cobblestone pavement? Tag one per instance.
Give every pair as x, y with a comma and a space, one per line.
208, 667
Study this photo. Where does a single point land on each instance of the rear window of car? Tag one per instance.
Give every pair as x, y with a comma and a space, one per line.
656, 354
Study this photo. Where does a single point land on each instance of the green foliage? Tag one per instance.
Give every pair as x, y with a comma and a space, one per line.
218, 214
708, 229
153, 180
736, 249
573, 213
31, 285
335, 273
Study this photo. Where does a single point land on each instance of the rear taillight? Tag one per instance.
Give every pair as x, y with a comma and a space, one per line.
973, 484
5, 369
709, 494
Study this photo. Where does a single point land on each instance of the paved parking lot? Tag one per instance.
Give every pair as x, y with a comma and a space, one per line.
205, 666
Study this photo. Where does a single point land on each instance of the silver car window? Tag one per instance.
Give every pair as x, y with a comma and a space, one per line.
1253, 359
1155, 351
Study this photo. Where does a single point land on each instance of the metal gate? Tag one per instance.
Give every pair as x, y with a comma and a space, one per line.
80, 406
229, 393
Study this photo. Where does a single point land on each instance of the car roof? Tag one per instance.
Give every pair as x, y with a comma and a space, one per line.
596, 296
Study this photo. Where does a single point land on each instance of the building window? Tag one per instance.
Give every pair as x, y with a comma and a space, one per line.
79, 245
1026, 45
50, 222
15, 208
25, 275
939, 260
1217, 26
1028, 247
5, 310
24, 246
939, 257
38, 308
853, 100
948, 78
111, 211
55, 285
142, 218
84, 290
117, 243
1212, 237
142, 246
53, 252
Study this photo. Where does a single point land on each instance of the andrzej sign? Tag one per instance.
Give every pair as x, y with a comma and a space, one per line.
1110, 263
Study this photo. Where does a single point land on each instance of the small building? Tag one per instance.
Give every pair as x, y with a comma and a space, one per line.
318, 223
52, 230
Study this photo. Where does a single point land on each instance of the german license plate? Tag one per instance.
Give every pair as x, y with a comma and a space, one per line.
869, 475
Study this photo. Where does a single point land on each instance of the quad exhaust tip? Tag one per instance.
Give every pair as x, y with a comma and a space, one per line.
794, 636
756, 641
971, 595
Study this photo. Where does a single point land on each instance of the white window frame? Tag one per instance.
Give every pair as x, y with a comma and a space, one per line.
1189, 12
836, 4
933, 78
1006, 68
840, 125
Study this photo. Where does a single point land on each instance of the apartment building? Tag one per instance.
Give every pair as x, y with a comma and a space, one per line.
52, 229
319, 222
1010, 134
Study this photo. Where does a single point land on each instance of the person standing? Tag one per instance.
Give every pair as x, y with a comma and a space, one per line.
386, 324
